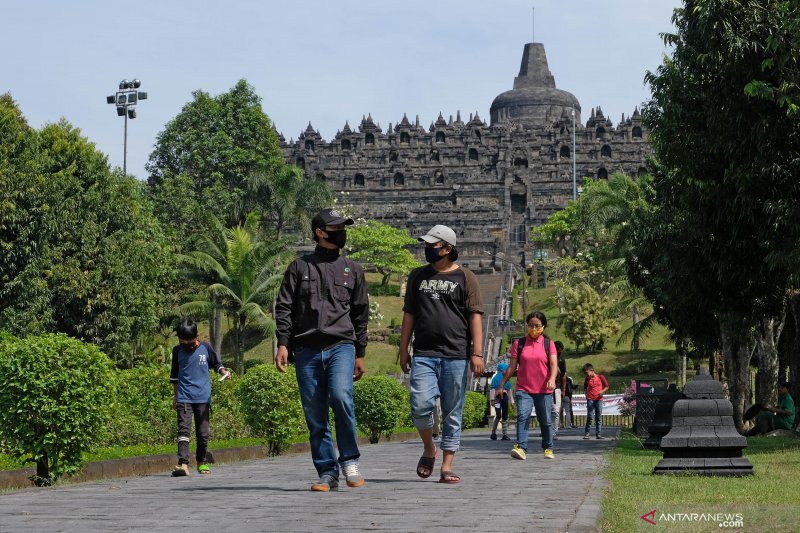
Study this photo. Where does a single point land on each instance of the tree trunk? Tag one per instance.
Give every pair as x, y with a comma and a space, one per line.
636, 336
217, 344
794, 353
766, 335
560, 297
737, 350
42, 477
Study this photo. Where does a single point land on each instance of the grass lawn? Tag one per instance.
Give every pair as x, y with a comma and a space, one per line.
765, 500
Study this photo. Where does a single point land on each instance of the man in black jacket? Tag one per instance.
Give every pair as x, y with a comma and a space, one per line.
321, 314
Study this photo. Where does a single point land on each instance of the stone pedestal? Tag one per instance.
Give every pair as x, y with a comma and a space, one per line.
703, 439
662, 417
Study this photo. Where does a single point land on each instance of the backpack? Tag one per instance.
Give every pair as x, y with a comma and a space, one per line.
521, 345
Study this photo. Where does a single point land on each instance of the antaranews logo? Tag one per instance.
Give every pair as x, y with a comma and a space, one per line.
724, 520
650, 517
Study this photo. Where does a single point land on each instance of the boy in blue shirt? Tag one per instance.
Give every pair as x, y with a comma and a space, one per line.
191, 360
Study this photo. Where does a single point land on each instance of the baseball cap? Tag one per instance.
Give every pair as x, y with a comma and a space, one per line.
329, 217
439, 233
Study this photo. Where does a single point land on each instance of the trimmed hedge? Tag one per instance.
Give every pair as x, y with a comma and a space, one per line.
474, 410
380, 405
55, 399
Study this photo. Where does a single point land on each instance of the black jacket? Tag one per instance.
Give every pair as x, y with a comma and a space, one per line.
323, 301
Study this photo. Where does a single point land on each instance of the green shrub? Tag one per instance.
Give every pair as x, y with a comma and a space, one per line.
405, 420
380, 402
474, 410
394, 339
227, 417
55, 397
142, 413
270, 403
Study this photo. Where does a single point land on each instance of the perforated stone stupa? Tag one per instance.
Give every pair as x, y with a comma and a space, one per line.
703, 439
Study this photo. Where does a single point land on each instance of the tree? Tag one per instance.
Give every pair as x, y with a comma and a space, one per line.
286, 198
382, 246
80, 250
587, 320
55, 398
204, 156
241, 274
725, 230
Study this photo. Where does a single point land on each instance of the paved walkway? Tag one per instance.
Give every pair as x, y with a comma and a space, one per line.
497, 493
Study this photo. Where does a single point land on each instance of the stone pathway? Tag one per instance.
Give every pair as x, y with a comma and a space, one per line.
497, 493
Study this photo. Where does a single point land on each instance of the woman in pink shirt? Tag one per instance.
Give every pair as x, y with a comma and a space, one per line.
536, 380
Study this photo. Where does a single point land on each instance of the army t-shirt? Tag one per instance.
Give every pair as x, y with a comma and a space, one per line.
441, 303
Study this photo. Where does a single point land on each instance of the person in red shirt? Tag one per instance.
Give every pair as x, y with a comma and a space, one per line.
594, 385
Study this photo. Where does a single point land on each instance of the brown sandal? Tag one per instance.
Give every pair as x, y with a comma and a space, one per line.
425, 465
453, 478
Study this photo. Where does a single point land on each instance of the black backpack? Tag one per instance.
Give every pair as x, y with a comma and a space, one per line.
521, 345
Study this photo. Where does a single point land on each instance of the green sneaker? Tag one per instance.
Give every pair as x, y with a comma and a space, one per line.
518, 453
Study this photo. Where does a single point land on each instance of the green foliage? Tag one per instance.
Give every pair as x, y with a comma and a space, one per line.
380, 405
587, 321
241, 273
55, 398
270, 402
394, 339
227, 420
80, 250
204, 156
379, 289
474, 410
142, 413
382, 246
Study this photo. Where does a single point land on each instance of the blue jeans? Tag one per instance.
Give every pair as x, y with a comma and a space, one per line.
594, 407
447, 379
325, 379
544, 405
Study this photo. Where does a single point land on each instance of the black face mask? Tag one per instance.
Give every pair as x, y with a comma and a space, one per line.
432, 254
337, 238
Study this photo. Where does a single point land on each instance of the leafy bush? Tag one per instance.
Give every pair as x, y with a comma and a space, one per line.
645, 366
227, 417
474, 410
394, 339
270, 403
628, 404
55, 397
143, 411
379, 402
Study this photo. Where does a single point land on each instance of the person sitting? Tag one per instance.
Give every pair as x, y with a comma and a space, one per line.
772, 418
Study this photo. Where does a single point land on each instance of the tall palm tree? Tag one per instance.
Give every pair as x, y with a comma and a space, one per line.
242, 273
285, 198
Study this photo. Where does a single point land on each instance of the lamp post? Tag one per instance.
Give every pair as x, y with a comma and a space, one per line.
126, 99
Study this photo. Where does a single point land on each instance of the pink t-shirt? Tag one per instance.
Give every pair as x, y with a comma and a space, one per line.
534, 368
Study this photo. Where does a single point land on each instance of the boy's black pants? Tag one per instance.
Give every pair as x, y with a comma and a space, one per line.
201, 413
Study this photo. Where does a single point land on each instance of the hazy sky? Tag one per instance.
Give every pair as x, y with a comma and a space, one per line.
316, 60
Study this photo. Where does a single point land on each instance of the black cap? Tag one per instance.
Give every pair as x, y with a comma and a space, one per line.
329, 217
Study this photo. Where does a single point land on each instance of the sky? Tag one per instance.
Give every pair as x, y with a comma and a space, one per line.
319, 61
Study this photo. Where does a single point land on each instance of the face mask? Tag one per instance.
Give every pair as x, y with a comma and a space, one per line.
535, 332
432, 254
337, 238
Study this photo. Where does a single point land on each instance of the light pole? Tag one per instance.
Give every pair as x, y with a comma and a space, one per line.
126, 99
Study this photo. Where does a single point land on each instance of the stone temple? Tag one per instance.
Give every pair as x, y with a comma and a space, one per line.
490, 183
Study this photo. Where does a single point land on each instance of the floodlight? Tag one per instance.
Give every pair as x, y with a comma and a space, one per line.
120, 111
111, 99
121, 99
132, 98
137, 83
123, 84
142, 95
131, 113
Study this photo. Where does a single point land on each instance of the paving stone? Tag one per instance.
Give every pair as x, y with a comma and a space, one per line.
273, 494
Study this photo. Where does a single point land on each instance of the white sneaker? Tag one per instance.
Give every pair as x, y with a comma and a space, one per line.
353, 476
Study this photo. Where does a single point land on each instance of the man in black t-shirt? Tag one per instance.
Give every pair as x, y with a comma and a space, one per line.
443, 311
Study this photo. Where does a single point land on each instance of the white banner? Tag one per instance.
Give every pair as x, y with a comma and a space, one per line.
611, 403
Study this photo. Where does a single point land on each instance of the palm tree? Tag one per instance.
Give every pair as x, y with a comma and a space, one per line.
242, 274
285, 198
